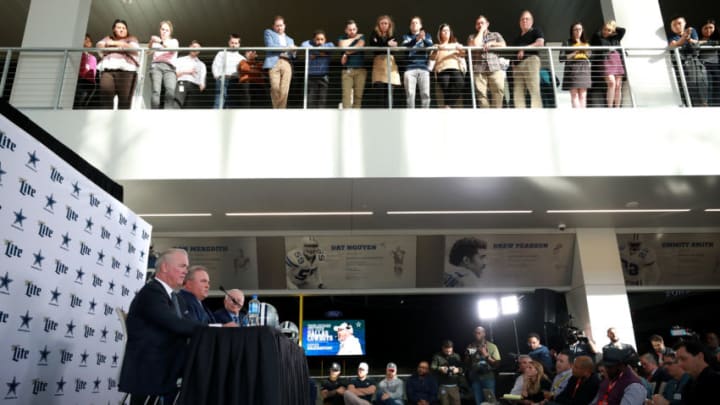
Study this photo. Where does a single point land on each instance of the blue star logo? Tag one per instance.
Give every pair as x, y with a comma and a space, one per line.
101, 256
89, 224
80, 274
60, 384
38, 258
1, 172
26, 320
142, 254
118, 241
66, 240
70, 328
5, 281
12, 387
19, 218
115, 358
104, 332
96, 383
127, 269
76, 189
134, 227
50, 204
111, 285
93, 304
84, 356
108, 210
44, 354
55, 295
32, 159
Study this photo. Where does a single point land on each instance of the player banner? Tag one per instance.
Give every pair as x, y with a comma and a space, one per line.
231, 261
350, 262
71, 255
670, 259
334, 337
532, 260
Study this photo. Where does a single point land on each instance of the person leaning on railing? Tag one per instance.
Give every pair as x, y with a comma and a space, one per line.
383, 72
488, 67
318, 69
710, 57
119, 67
526, 71
354, 73
448, 59
191, 75
86, 84
686, 39
162, 69
609, 63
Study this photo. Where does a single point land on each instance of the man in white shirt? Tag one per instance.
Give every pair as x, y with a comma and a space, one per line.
349, 344
523, 362
225, 70
191, 73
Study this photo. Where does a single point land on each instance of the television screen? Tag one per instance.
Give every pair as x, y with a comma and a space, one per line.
334, 337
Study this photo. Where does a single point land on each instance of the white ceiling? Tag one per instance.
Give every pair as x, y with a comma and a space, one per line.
419, 194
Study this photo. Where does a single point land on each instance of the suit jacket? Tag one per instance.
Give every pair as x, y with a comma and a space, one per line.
583, 395
156, 343
223, 316
195, 309
272, 39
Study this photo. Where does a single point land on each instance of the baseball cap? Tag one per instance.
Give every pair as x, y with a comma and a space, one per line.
613, 356
363, 366
391, 366
342, 326
335, 367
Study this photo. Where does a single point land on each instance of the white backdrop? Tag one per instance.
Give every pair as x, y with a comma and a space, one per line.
71, 254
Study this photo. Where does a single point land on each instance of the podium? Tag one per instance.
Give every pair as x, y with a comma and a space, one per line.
249, 365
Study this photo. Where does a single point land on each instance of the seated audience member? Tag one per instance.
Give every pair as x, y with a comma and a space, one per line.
523, 363
86, 83
224, 70
564, 370
686, 38
417, 75
447, 365
539, 352
360, 389
318, 70
710, 57
582, 387
333, 387
674, 387
654, 374
391, 390
711, 343
191, 73
622, 385
232, 311
703, 388
119, 68
659, 349
422, 388
157, 332
534, 383
196, 288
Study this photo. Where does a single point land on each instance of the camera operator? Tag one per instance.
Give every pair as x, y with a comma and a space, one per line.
481, 358
449, 367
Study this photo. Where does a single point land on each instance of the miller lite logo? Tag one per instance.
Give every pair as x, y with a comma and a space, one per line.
96, 281
55, 175
138, 274
75, 301
71, 214
32, 161
6, 142
80, 385
85, 250
122, 220
38, 386
2, 172
100, 359
44, 231
12, 250
94, 202
27, 189
108, 310
32, 290
60, 267
124, 291
19, 353
4, 317
131, 248
111, 384
50, 325
145, 235
104, 233
89, 331
119, 336
115, 263
65, 356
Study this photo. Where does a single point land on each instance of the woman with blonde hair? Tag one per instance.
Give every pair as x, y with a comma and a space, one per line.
610, 61
384, 36
162, 69
534, 383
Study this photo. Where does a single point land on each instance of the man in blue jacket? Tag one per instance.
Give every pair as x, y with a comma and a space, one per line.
279, 62
417, 73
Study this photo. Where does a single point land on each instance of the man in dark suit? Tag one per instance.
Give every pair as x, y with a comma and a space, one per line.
582, 387
232, 311
196, 288
157, 332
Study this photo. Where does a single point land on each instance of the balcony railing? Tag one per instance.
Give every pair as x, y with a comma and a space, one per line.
48, 78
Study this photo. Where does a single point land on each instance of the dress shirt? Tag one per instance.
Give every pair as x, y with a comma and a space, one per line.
232, 60
186, 63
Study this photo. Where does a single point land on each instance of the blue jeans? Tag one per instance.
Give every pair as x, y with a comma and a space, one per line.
479, 385
221, 89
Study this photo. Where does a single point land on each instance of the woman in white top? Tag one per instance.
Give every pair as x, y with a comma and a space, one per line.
162, 69
119, 67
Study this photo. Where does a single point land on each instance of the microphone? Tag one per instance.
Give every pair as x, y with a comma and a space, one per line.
234, 301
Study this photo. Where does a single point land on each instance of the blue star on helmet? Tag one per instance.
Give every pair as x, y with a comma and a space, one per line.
60, 384
44, 354
5, 281
89, 224
70, 327
76, 188
32, 159
19, 217
66, 239
50, 201
26, 319
38, 258
55, 295
101, 256
12, 387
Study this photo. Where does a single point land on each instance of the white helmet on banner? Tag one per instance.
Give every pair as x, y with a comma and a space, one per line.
290, 330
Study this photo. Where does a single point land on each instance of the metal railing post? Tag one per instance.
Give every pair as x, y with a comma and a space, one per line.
552, 76
683, 82
6, 70
471, 71
306, 77
62, 80
388, 62
140, 78
627, 78
222, 81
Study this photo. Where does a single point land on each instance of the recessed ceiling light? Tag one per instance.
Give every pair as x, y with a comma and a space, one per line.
712, 210
179, 214
614, 211
297, 214
459, 212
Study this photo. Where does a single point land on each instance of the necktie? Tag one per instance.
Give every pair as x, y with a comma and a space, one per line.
176, 304
236, 319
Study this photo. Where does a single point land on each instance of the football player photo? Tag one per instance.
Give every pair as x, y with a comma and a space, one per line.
301, 265
468, 255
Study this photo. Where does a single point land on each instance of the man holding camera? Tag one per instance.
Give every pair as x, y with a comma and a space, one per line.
481, 358
447, 365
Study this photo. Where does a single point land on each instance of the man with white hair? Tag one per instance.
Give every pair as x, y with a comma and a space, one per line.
349, 343
232, 311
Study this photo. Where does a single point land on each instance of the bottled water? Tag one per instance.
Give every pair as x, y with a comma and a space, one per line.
254, 311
